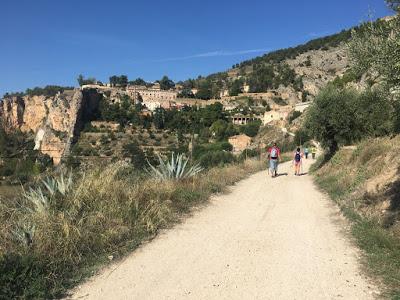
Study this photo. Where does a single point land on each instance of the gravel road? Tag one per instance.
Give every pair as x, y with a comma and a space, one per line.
267, 239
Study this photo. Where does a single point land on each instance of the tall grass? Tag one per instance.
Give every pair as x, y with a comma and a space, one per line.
105, 213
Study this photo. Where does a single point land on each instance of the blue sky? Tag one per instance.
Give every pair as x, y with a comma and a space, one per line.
52, 42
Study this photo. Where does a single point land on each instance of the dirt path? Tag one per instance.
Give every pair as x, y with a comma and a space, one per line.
267, 239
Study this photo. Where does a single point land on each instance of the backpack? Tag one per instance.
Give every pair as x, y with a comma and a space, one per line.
274, 152
297, 157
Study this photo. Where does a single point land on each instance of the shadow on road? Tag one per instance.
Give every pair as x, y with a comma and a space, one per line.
282, 174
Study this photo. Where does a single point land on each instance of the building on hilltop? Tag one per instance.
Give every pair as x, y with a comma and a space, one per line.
240, 119
279, 113
153, 97
240, 142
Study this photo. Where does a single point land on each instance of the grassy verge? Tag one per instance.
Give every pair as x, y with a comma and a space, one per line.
107, 213
344, 178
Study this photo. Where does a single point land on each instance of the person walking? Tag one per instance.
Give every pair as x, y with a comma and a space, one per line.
313, 152
274, 156
306, 152
297, 160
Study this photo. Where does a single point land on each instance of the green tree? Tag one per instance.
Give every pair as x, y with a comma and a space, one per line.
138, 81
236, 87
332, 119
204, 90
218, 129
293, 116
159, 118
301, 137
251, 129
375, 113
166, 83
136, 154
82, 81
119, 80
186, 93
375, 50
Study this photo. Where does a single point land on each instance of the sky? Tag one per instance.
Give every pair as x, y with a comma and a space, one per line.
48, 42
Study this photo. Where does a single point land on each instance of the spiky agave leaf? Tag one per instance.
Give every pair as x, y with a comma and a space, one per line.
51, 185
25, 233
41, 198
176, 168
37, 198
64, 186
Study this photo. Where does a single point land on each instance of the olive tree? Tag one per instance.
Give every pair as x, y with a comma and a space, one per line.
332, 118
375, 50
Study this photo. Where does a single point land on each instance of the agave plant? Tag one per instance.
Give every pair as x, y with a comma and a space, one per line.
58, 185
25, 234
177, 168
40, 198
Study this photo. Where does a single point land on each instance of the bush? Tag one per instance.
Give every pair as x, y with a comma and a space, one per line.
293, 116
199, 150
23, 277
136, 154
216, 158
251, 129
248, 153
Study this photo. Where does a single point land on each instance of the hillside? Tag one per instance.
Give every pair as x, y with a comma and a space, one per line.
300, 71
364, 181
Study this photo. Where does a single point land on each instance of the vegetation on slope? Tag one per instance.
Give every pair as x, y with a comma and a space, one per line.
18, 161
365, 183
105, 213
264, 72
47, 91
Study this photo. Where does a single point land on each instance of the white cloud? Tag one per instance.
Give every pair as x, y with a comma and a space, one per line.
209, 54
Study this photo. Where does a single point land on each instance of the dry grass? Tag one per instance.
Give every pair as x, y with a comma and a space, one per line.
366, 184
108, 212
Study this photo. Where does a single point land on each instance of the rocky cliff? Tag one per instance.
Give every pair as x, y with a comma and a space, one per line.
318, 67
54, 121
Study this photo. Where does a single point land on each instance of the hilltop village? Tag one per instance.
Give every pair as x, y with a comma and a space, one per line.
273, 105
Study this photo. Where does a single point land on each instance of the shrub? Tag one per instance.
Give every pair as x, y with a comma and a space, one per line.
104, 140
136, 154
199, 150
216, 158
251, 129
248, 153
293, 116
23, 277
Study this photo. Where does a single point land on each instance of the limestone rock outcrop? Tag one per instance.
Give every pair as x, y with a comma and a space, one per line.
55, 121
318, 67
